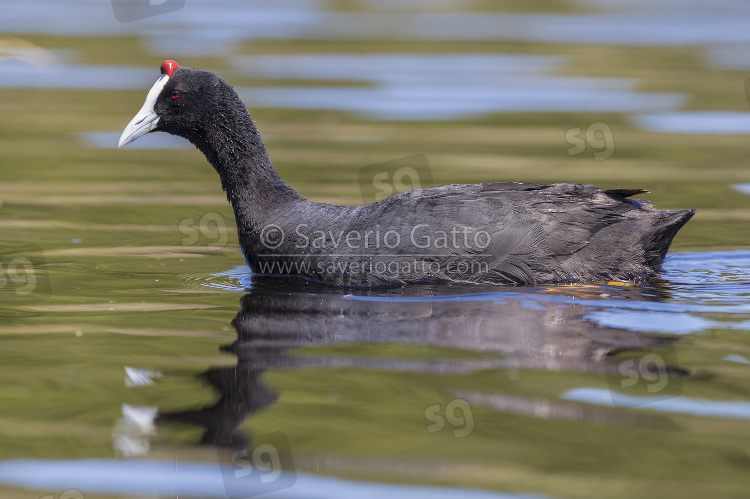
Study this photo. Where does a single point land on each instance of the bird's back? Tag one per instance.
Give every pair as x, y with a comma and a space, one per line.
515, 233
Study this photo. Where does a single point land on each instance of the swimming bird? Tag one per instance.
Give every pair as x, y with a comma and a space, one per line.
492, 233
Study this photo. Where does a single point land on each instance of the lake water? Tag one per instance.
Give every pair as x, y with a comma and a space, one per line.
141, 359
420, 385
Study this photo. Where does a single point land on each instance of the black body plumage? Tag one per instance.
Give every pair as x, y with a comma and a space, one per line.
503, 233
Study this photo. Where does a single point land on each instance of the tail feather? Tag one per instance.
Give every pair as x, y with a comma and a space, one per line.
625, 193
659, 238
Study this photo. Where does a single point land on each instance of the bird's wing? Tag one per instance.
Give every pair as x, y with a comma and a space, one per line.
519, 230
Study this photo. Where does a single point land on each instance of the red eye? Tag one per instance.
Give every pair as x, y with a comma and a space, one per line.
175, 94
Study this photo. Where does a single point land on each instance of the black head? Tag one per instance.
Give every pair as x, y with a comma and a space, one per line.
183, 102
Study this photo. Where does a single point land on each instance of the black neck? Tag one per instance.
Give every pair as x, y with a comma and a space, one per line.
234, 147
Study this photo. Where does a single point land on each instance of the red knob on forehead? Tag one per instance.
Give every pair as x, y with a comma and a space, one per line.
168, 67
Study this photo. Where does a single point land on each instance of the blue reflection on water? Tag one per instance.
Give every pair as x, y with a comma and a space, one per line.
674, 323
716, 282
193, 479
441, 86
410, 87
736, 358
203, 20
736, 409
16, 74
696, 122
419, 68
446, 102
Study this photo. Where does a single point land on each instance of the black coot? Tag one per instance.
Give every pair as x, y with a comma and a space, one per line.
502, 233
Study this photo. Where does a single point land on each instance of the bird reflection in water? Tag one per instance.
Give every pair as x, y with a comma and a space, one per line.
510, 329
